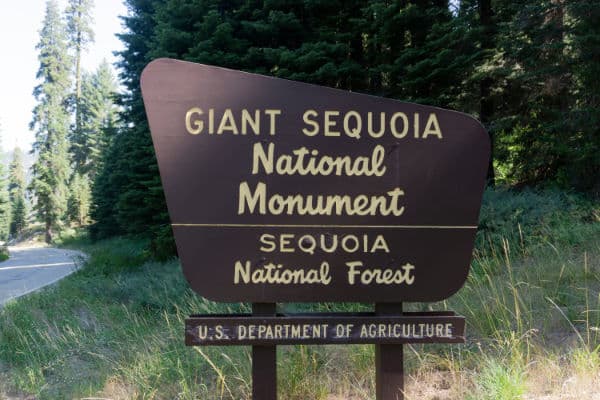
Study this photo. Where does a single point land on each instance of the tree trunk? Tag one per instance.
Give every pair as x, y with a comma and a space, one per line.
49, 233
78, 84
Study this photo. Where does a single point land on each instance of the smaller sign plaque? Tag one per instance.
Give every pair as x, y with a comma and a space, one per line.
359, 328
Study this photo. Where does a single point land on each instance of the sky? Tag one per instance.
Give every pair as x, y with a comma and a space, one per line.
20, 23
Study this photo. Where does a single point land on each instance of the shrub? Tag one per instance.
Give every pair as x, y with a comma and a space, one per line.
4, 255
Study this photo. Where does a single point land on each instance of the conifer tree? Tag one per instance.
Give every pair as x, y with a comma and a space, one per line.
533, 119
4, 204
78, 207
16, 191
107, 186
80, 34
98, 120
98, 126
583, 168
51, 122
127, 194
527, 69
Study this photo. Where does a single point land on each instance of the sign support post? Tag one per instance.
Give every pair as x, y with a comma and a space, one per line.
389, 361
264, 360
388, 327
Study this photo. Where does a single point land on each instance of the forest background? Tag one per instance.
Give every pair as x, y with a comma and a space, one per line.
528, 70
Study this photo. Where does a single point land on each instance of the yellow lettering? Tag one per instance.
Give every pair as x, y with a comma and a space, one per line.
308, 121
329, 123
241, 271
211, 121
303, 161
258, 155
416, 125
353, 132
278, 204
248, 120
380, 244
268, 242
272, 120
380, 276
432, 127
285, 240
227, 123
259, 197
395, 132
381, 130
198, 124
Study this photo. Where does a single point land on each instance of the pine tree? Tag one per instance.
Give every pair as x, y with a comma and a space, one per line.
316, 41
533, 121
98, 120
127, 194
583, 169
526, 69
435, 53
107, 186
98, 126
80, 34
51, 122
4, 205
16, 191
19, 216
78, 207
486, 104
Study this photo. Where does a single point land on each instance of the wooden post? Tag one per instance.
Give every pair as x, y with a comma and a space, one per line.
389, 361
264, 361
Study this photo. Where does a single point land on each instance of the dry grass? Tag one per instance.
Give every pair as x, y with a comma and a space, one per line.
545, 379
114, 330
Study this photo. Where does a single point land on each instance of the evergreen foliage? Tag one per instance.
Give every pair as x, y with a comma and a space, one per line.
84, 135
98, 124
98, 120
16, 190
80, 34
78, 207
51, 122
545, 130
526, 69
582, 169
128, 196
106, 189
5, 206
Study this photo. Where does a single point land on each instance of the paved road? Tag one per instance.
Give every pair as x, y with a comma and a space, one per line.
31, 268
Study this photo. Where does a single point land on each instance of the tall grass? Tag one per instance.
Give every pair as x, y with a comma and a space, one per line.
114, 329
534, 293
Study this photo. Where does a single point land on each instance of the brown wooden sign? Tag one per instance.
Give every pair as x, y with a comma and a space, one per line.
282, 191
227, 330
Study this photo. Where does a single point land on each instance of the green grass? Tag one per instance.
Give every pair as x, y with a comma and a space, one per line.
4, 254
114, 329
499, 381
119, 317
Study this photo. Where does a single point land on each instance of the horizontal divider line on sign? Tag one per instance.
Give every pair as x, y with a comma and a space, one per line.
327, 226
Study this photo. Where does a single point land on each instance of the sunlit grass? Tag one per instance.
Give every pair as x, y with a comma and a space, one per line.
532, 302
